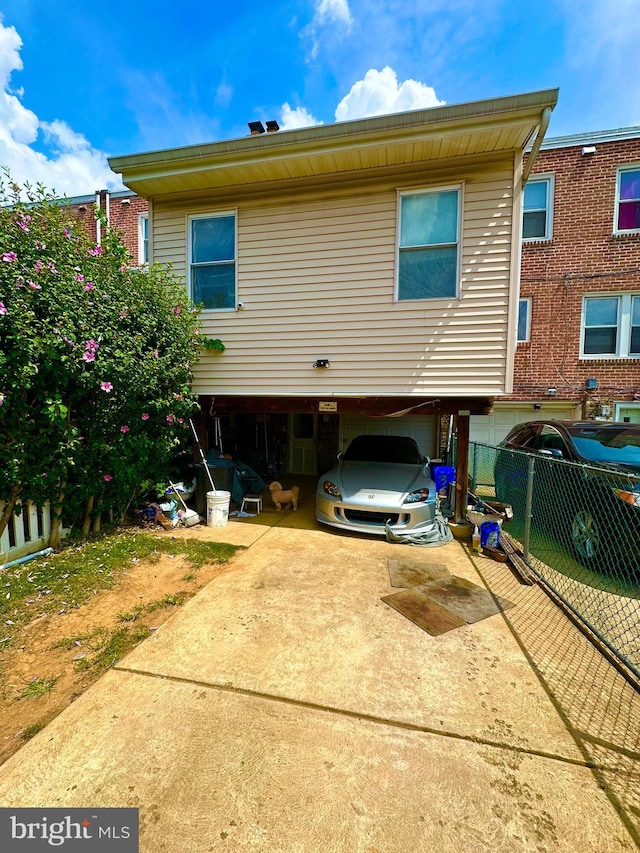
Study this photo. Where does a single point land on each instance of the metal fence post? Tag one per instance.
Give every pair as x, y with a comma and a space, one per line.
528, 505
474, 468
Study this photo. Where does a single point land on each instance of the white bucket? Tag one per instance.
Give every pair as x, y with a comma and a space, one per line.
218, 508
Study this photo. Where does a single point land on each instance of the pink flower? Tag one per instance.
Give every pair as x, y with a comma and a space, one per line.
106, 386
155, 353
177, 310
89, 286
67, 233
34, 286
9, 257
24, 227
124, 428
3, 310
88, 357
91, 345
79, 277
97, 250
123, 268
145, 416
40, 245
107, 478
38, 266
170, 419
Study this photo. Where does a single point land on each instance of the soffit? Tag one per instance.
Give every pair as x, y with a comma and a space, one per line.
423, 136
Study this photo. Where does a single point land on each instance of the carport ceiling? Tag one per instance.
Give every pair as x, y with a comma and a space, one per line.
477, 129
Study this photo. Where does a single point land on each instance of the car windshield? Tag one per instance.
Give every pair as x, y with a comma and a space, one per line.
396, 449
618, 446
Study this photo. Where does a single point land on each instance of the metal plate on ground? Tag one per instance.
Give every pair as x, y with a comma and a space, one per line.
407, 574
423, 612
467, 600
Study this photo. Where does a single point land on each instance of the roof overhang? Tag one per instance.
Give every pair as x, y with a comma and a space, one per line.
479, 128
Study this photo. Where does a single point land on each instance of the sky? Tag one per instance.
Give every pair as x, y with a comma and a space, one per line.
81, 81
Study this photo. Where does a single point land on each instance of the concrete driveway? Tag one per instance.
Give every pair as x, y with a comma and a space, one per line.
287, 708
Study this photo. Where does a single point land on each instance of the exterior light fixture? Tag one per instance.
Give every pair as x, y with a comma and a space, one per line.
256, 128
551, 392
321, 362
588, 149
126, 201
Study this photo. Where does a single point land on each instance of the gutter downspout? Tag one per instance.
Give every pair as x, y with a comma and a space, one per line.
545, 118
98, 234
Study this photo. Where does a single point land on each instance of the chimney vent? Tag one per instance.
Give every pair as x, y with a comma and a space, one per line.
273, 126
256, 128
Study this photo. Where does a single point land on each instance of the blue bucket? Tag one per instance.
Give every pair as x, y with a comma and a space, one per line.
490, 534
443, 475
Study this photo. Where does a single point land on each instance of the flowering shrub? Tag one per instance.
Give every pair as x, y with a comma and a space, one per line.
95, 364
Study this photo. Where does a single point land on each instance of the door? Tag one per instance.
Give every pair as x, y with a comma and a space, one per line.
303, 431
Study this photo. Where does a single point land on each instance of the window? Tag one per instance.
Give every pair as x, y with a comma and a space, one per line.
537, 212
611, 326
628, 200
524, 319
428, 245
143, 238
212, 260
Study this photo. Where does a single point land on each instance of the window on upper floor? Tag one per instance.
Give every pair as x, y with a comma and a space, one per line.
428, 244
143, 239
611, 326
537, 208
524, 319
212, 260
627, 215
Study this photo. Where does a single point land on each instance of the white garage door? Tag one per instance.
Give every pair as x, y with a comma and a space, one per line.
420, 427
491, 429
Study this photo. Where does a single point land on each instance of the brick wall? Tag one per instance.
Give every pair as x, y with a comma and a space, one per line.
583, 257
123, 217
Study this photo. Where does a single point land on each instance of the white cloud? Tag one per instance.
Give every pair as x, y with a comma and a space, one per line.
291, 119
333, 16
379, 93
71, 166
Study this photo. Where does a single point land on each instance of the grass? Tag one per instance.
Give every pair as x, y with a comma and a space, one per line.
114, 646
31, 731
68, 578
38, 687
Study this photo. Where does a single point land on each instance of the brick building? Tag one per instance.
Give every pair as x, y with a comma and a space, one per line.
126, 212
578, 352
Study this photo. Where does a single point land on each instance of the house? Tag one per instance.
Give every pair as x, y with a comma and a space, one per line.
578, 350
125, 212
363, 276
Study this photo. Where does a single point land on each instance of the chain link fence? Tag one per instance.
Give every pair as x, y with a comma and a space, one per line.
578, 528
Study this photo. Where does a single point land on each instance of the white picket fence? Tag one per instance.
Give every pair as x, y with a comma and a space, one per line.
26, 532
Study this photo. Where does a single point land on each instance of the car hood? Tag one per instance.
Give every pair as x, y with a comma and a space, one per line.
373, 476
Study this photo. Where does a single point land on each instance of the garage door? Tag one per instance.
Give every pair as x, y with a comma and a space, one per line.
422, 428
491, 429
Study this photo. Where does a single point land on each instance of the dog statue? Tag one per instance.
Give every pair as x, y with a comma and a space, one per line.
282, 497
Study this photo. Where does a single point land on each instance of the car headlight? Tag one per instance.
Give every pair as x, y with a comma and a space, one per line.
418, 496
330, 488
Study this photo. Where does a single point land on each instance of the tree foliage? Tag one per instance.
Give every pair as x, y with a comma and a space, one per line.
96, 363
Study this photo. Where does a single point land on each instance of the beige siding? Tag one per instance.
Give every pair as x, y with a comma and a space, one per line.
316, 277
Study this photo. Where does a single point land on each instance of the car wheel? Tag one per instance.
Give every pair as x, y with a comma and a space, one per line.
586, 537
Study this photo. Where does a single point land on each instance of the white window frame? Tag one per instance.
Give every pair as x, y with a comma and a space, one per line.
459, 188
143, 257
526, 300
218, 214
628, 167
623, 326
550, 179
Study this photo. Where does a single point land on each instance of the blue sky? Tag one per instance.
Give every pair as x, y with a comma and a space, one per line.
81, 80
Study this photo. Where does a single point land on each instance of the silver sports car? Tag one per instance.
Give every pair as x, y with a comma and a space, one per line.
379, 480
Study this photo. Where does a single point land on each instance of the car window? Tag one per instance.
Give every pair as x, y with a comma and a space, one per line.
523, 435
550, 439
383, 448
614, 445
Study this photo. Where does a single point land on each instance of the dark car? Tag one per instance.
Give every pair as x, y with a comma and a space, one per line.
592, 505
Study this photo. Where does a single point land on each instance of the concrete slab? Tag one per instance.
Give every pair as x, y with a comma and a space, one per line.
214, 770
286, 708
301, 617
